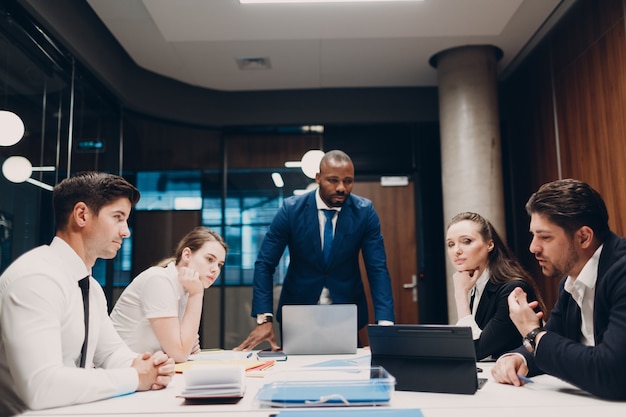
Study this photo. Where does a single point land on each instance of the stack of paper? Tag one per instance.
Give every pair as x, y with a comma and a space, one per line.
214, 382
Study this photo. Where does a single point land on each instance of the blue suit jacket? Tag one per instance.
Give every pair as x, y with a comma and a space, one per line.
599, 369
296, 225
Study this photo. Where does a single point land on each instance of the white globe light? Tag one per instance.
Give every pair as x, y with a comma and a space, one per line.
311, 162
11, 128
17, 169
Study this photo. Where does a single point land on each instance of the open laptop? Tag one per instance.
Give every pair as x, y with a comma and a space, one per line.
430, 358
319, 329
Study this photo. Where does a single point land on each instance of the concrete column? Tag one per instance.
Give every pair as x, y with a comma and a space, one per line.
470, 139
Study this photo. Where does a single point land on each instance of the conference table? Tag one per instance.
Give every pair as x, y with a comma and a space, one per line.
546, 396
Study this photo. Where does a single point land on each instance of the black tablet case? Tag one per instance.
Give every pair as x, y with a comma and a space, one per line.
426, 358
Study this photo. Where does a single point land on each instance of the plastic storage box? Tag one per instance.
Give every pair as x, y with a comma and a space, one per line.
323, 387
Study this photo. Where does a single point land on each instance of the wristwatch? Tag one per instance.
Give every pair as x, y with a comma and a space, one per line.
264, 318
529, 339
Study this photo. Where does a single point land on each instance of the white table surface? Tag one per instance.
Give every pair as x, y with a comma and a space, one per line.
547, 396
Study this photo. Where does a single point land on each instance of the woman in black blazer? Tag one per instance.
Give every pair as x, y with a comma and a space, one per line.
486, 273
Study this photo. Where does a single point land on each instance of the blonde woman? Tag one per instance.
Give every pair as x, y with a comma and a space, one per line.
162, 306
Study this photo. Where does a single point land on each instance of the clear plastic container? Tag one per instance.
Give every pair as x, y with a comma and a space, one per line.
328, 387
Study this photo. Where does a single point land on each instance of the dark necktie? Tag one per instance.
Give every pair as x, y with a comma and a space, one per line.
328, 233
84, 288
472, 297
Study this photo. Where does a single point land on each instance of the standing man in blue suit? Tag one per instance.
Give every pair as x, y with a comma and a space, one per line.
584, 340
300, 224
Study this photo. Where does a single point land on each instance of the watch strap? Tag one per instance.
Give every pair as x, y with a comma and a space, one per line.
264, 318
529, 339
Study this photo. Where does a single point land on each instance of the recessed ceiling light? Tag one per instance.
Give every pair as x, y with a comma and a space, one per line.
253, 63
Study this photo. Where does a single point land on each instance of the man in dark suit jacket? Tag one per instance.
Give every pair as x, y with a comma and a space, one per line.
584, 340
299, 225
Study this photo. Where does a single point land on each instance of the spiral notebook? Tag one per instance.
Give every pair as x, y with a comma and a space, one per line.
215, 383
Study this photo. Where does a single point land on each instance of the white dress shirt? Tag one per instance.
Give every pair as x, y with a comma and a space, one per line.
42, 330
325, 297
478, 290
583, 291
156, 292
321, 206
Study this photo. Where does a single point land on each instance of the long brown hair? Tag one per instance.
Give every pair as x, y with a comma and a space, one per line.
503, 265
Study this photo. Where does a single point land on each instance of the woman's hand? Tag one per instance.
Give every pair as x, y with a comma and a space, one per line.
190, 280
464, 281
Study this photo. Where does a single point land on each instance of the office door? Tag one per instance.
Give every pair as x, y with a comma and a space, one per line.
396, 209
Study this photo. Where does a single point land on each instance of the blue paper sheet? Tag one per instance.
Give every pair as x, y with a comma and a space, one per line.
362, 412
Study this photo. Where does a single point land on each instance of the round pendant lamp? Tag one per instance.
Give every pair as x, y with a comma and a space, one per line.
311, 162
17, 169
11, 128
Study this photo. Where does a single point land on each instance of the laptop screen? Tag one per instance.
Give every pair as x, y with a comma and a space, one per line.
319, 329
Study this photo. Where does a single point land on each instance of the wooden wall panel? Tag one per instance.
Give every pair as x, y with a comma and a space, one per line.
268, 151
574, 82
586, 23
148, 146
591, 103
530, 153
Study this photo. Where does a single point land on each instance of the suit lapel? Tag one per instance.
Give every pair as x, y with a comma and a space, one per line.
485, 302
573, 320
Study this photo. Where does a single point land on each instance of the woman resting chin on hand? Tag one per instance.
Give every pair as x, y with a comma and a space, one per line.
162, 306
486, 273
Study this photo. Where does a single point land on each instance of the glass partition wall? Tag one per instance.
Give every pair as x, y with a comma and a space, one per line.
64, 117
232, 179
219, 179
188, 175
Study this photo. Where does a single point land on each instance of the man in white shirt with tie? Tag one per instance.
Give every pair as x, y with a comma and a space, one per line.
42, 326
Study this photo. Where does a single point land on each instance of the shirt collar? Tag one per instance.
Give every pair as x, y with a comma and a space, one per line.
73, 264
588, 275
482, 280
320, 203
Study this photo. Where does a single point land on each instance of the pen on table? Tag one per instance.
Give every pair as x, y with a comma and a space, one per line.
525, 380
249, 355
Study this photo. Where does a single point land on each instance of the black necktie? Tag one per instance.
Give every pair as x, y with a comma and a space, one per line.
328, 233
472, 297
84, 288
